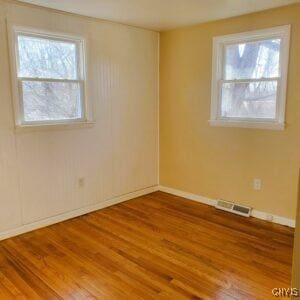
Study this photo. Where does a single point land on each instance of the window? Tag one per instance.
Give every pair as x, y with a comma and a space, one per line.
249, 78
50, 78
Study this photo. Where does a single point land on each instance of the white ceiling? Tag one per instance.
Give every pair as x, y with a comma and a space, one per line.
161, 14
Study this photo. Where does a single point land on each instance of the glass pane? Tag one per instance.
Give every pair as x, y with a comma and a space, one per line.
46, 58
249, 100
253, 60
50, 101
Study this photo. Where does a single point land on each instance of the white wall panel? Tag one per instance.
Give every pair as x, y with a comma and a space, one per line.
135, 113
10, 204
117, 155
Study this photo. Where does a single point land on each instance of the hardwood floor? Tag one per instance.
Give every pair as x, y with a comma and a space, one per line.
157, 246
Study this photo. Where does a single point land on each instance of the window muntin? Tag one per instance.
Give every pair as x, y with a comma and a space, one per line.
50, 73
249, 77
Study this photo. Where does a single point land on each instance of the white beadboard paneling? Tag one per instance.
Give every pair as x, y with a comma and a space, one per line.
118, 155
10, 204
135, 114
51, 162
6, 108
74, 213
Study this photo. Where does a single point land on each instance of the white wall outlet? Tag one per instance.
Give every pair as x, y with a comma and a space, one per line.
269, 218
257, 184
81, 182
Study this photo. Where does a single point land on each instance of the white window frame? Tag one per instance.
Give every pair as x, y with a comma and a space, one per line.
218, 64
80, 43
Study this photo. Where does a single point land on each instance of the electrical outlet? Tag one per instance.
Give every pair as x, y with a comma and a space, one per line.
257, 184
81, 182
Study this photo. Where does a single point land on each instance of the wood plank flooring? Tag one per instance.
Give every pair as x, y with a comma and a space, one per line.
157, 246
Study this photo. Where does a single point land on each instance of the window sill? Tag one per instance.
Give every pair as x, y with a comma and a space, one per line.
247, 124
54, 126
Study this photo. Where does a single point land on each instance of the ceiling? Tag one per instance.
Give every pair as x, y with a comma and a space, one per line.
161, 14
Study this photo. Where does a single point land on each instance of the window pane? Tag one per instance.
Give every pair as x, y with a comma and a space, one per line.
249, 100
253, 60
44, 101
46, 58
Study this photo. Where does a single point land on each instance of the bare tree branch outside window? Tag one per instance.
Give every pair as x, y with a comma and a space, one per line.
248, 96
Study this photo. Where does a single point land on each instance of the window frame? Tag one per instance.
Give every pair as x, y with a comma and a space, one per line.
81, 79
218, 77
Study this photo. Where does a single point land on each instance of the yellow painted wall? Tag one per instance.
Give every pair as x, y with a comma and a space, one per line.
217, 161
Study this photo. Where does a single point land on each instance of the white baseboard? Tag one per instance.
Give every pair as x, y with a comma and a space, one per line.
84, 210
74, 213
187, 195
275, 219
255, 213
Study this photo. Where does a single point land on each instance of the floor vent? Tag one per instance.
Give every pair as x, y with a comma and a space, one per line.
234, 208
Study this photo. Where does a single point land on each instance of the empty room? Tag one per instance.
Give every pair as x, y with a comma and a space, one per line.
149, 149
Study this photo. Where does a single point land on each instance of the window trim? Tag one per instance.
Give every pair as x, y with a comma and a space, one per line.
16, 80
219, 43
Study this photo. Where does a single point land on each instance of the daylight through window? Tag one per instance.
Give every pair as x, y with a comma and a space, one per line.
249, 80
50, 73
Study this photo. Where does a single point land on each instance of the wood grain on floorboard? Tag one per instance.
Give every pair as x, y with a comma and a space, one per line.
158, 246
